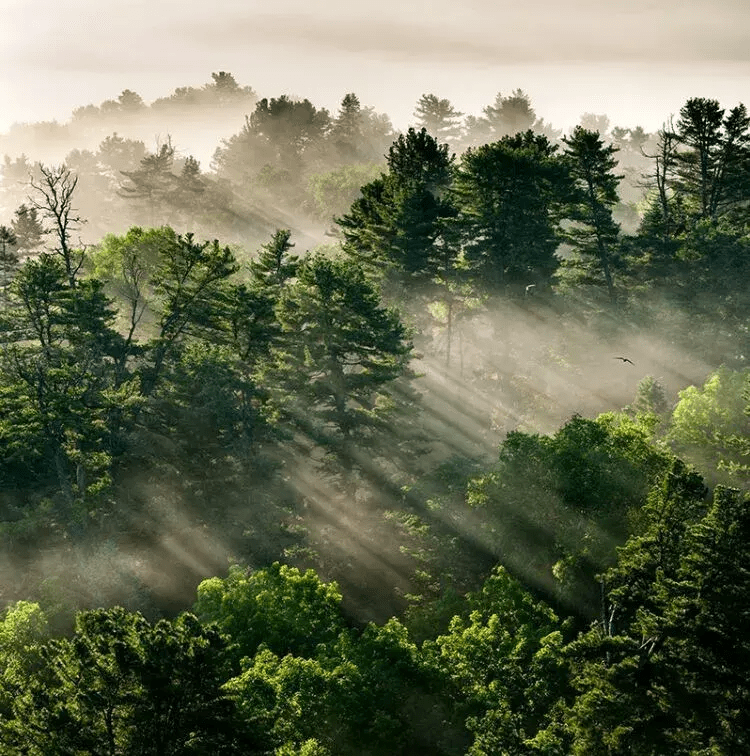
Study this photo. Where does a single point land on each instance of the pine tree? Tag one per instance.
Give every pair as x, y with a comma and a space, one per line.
594, 235
438, 117
27, 228
508, 196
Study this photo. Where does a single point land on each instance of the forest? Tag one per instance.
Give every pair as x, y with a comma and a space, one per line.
365, 441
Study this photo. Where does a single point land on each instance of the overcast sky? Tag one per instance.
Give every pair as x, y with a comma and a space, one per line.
637, 61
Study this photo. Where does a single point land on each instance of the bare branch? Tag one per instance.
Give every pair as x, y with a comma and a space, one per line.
53, 198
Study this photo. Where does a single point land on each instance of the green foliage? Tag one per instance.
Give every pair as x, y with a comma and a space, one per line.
649, 399
287, 610
508, 195
23, 629
593, 234
395, 227
565, 500
333, 192
122, 685
710, 167
275, 265
505, 665
287, 701
187, 281
340, 353
665, 671
709, 426
63, 400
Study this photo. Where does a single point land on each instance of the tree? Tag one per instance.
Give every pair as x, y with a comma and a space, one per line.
8, 260
128, 264
709, 427
340, 352
598, 122
122, 685
509, 198
54, 200
120, 154
333, 192
346, 129
23, 629
503, 666
664, 220
27, 228
130, 101
508, 115
666, 671
286, 610
712, 166
438, 117
275, 265
650, 399
59, 415
272, 153
395, 228
553, 506
288, 128
153, 182
594, 233
186, 282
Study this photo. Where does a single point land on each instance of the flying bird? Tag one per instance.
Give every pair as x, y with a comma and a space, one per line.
624, 359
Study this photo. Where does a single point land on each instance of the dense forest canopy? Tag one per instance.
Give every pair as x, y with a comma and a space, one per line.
464, 407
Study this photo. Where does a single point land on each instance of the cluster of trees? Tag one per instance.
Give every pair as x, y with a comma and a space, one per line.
519, 216
267, 662
291, 163
158, 356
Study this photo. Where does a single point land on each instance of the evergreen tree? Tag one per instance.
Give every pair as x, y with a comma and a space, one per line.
346, 130
8, 260
395, 228
341, 351
438, 117
186, 282
666, 669
59, 416
594, 235
152, 182
275, 265
27, 228
509, 197
712, 166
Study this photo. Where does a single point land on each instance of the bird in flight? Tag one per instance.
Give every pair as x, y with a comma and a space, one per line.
624, 359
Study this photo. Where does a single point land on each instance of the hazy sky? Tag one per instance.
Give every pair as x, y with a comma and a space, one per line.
636, 60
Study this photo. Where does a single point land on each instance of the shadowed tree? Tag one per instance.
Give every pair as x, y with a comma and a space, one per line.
153, 182
508, 197
346, 129
712, 166
187, 279
594, 233
507, 115
8, 261
394, 227
341, 350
